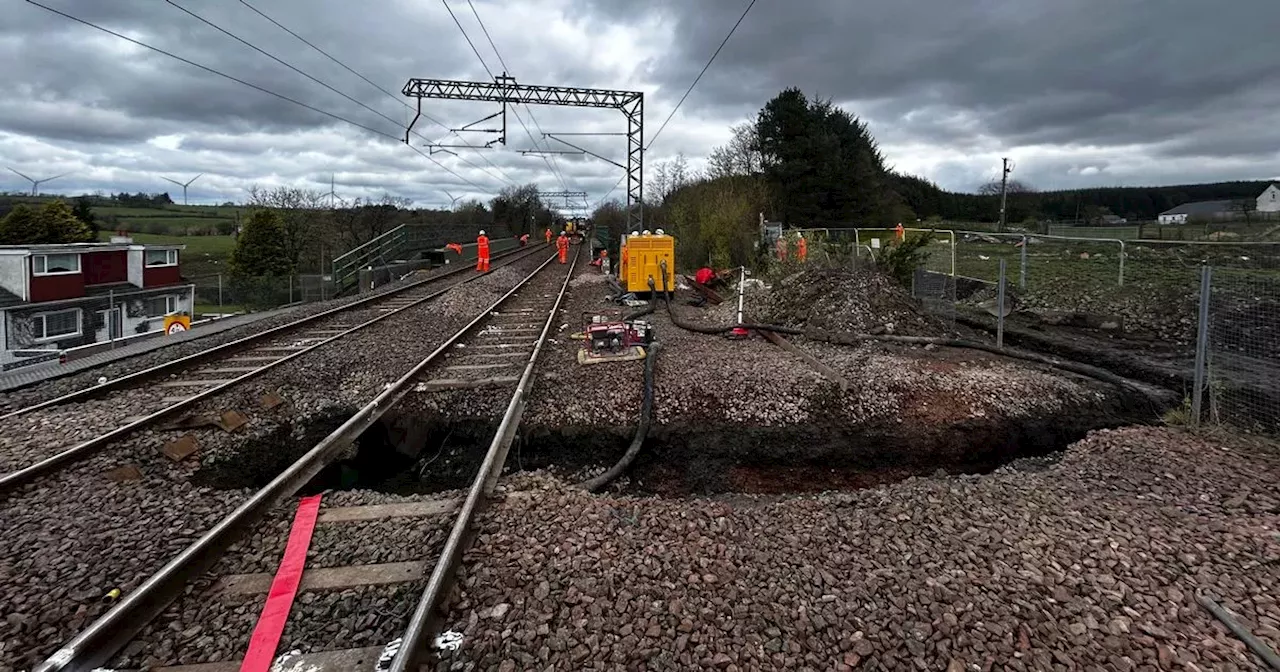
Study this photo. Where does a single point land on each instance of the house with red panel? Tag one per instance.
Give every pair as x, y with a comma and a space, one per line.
54, 297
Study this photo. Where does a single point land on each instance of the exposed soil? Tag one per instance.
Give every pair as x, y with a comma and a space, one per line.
837, 299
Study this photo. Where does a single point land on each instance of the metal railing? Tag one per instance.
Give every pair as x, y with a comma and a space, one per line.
346, 267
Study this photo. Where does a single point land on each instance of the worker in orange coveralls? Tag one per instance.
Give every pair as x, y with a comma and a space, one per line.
455, 247
562, 246
482, 253
802, 249
900, 231
548, 236
524, 240
782, 248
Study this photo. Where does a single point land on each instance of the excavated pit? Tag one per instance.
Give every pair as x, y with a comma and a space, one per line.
404, 454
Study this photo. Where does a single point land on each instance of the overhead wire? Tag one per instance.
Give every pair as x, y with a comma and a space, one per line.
237, 80
700, 74
553, 168
385, 92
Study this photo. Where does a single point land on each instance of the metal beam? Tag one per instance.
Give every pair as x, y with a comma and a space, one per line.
505, 90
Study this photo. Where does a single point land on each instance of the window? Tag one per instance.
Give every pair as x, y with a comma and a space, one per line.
47, 326
162, 258
55, 264
159, 306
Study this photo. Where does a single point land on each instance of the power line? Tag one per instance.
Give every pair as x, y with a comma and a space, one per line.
301, 72
700, 74
467, 38
552, 164
370, 82
237, 80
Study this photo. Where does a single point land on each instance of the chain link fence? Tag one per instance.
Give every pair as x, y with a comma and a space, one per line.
224, 294
1238, 348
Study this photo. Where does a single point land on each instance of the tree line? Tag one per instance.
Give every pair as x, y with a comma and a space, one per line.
55, 222
807, 162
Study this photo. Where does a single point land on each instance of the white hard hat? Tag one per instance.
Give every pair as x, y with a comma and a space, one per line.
659, 232
482, 232
646, 232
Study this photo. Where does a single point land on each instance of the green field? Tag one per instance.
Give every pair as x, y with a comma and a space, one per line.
168, 220
203, 256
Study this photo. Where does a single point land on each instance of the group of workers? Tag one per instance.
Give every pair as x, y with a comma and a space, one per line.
802, 245
482, 248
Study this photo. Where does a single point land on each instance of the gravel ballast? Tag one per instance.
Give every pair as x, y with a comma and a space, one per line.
73, 536
43, 391
1091, 563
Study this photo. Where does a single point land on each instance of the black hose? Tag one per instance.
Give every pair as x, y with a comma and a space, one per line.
850, 338
646, 413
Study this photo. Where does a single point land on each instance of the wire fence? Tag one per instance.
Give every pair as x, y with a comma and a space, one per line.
1238, 349
1214, 301
225, 294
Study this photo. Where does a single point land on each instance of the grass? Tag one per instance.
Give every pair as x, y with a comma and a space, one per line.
207, 308
204, 255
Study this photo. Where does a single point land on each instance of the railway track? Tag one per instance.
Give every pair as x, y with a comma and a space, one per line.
499, 348
186, 381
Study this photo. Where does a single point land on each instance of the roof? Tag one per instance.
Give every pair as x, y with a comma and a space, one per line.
69, 248
1200, 208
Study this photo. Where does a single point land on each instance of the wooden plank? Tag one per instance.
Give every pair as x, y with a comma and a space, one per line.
342, 660
351, 514
830, 373
464, 384
329, 578
281, 348
208, 382
229, 369
528, 344
479, 367
252, 358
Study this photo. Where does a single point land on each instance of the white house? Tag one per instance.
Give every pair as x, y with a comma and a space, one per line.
1269, 201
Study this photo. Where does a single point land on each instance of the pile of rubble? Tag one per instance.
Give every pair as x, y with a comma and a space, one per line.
847, 301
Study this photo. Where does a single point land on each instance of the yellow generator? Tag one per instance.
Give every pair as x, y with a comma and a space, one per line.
642, 256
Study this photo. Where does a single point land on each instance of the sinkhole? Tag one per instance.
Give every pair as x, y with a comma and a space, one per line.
406, 454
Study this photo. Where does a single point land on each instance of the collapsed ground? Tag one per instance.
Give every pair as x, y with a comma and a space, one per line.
750, 416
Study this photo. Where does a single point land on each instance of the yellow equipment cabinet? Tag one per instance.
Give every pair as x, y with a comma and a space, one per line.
643, 257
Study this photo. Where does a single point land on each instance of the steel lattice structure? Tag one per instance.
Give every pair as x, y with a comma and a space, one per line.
574, 202
506, 90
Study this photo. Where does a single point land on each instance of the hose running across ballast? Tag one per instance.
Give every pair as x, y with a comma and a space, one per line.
843, 338
642, 430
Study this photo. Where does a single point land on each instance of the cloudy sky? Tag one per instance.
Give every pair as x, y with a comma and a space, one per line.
1078, 93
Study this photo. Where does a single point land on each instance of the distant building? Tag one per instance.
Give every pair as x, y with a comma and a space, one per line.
1202, 209
54, 297
1267, 202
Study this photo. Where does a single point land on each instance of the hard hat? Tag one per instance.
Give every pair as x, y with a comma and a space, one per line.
645, 232
801, 234
659, 232
482, 232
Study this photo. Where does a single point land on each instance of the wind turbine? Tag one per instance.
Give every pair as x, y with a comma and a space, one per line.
185, 185
333, 195
455, 198
35, 184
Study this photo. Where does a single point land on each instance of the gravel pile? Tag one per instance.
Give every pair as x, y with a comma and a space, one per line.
842, 300
208, 626
1092, 563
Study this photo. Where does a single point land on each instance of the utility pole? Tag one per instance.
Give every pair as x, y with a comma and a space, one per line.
1004, 192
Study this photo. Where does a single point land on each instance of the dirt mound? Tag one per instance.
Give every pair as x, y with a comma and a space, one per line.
842, 300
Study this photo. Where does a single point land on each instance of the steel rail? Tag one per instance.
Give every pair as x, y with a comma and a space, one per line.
413, 640
86, 448
94, 645
136, 376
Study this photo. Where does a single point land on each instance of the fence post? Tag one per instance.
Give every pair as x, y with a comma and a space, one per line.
1000, 308
220, 311
111, 318
290, 289
1121, 283
1022, 269
1202, 346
